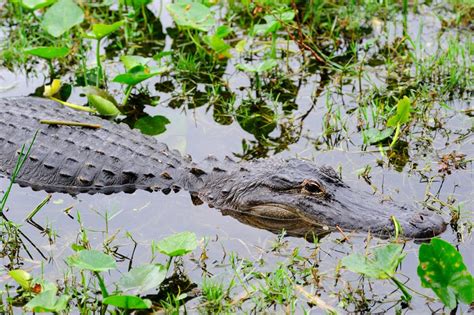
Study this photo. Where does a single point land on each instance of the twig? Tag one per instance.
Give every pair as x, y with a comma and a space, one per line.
70, 123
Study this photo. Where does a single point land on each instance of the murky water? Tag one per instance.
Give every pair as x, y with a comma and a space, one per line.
150, 217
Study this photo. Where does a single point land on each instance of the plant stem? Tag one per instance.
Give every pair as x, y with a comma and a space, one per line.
127, 94
99, 65
401, 286
103, 289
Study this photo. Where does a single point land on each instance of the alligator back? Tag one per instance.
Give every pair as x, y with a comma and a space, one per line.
75, 160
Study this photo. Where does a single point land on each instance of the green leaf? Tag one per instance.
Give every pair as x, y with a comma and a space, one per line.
48, 302
92, 260
138, 74
443, 270
128, 302
36, 4
104, 107
273, 22
192, 15
218, 45
143, 278
259, 68
403, 113
152, 126
381, 266
48, 52
373, 135
131, 62
61, 17
100, 31
21, 277
178, 244
223, 31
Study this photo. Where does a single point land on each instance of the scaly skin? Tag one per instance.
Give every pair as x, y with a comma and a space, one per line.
115, 158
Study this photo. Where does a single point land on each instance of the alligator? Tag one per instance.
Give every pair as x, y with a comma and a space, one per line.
114, 158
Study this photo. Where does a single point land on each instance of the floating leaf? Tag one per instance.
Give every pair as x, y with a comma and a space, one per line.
192, 15
259, 68
381, 265
61, 17
143, 278
373, 135
178, 244
21, 277
104, 107
100, 31
92, 260
138, 74
48, 302
403, 113
48, 52
442, 269
128, 302
36, 4
130, 61
152, 125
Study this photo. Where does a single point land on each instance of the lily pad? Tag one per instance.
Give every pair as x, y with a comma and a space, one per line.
143, 278
373, 135
381, 265
48, 302
442, 269
259, 68
92, 260
192, 15
61, 17
128, 302
178, 244
152, 125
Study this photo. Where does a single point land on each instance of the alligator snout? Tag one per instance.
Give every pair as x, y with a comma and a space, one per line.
425, 224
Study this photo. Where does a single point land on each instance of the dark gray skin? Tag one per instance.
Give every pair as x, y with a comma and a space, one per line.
115, 158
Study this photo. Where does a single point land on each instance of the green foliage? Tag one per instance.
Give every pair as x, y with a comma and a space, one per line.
273, 22
143, 278
92, 260
374, 135
152, 125
128, 302
138, 74
442, 269
21, 277
61, 17
48, 52
403, 113
48, 302
178, 244
100, 31
381, 265
103, 106
193, 15
261, 67
36, 4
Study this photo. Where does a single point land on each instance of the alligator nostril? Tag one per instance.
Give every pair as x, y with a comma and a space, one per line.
421, 217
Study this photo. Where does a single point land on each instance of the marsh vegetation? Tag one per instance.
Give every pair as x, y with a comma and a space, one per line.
381, 90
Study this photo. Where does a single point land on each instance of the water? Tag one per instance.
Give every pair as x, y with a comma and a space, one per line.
149, 217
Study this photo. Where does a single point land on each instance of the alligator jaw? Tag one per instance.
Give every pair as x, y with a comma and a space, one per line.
353, 211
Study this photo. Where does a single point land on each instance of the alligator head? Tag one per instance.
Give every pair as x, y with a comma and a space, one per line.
297, 189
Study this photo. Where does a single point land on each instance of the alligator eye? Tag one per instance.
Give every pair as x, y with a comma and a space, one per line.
312, 187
